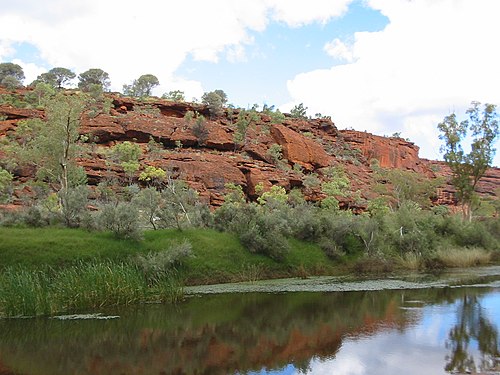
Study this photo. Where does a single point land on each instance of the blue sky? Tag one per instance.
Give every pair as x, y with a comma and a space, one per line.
383, 66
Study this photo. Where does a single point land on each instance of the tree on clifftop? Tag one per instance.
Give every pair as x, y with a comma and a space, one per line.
215, 101
55, 77
11, 75
141, 86
467, 169
94, 78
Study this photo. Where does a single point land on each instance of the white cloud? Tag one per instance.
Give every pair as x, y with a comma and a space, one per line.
297, 13
432, 58
127, 38
31, 70
339, 50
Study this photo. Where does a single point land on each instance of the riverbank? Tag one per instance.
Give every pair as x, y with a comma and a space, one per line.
45, 271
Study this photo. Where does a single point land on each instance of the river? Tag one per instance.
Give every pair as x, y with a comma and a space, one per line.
418, 324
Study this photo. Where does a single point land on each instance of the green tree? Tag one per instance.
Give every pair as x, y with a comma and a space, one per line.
149, 200
153, 175
41, 92
468, 168
55, 77
175, 96
403, 186
127, 155
11, 74
53, 147
215, 101
62, 76
178, 205
299, 111
141, 86
200, 130
92, 78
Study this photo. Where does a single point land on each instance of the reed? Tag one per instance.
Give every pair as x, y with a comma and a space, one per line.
463, 257
83, 286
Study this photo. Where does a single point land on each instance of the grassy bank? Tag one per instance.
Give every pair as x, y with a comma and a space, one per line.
45, 271
217, 256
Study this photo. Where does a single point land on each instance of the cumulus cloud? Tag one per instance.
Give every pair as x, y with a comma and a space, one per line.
339, 50
127, 38
297, 13
434, 57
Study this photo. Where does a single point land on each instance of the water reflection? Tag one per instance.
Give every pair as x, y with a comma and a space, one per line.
350, 333
473, 328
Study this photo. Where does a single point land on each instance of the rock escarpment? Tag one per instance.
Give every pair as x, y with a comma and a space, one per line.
301, 148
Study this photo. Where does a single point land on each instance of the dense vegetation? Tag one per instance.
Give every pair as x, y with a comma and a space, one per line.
151, 231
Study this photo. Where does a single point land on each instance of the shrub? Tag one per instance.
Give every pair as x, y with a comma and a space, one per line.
156, 265
122, 219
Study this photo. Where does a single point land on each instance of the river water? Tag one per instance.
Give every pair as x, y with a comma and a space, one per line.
412, 325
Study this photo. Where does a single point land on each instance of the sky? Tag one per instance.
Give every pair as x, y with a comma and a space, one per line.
384, 66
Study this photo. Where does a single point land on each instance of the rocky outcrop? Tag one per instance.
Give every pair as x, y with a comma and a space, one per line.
307, 147
390, 152
300, 150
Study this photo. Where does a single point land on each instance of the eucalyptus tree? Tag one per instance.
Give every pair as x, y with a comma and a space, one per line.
94, 78
468, 168
11, 75
141, 86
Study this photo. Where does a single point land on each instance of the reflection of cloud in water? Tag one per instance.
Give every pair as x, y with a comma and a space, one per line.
342, 366
384, 354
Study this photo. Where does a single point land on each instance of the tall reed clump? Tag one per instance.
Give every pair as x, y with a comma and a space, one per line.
463, 257
82, 286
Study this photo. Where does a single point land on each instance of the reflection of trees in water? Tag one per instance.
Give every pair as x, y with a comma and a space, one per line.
472, 326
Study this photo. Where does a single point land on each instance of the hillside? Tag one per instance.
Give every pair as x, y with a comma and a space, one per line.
307, 147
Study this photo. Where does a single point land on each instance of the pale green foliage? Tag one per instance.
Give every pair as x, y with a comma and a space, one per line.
215, 101
275, 152
276, 116
155, 149
200, 130
40, 93
406, 186
468, 168
127, 154
311, 181
337, 185
74, 204
141, 86
276, 193
156, 265
54, 145
175, 96
234, 195
130, 167
126, 151
122, 219
10, 82
378, 207
11, 75
178, 205
5, 184
153, 174
299, 111
149, 200
188, 117
93, 79
55, 77
245, 119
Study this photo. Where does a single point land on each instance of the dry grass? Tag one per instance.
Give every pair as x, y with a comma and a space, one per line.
463, 257
410, 261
